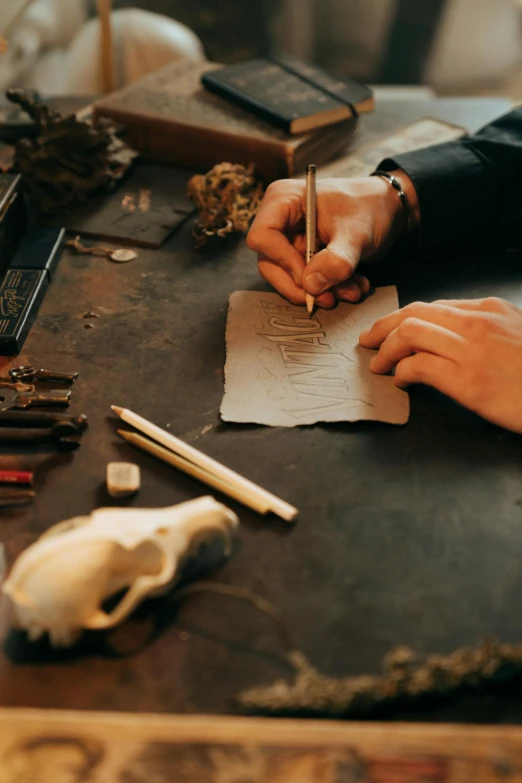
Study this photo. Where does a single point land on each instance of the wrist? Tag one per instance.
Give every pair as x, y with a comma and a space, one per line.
407, 210
411, 197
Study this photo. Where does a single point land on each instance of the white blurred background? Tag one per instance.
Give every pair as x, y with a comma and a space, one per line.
472, 46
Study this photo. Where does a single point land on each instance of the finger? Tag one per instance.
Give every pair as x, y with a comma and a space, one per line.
489, 304
267, 234
331, 266
416, 336
299, 242
284, 284
353, 289
448, 317
462, 304
364, 283
429, 369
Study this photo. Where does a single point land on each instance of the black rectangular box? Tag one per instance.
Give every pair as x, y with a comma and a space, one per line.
39, 249
12, 217
21, 292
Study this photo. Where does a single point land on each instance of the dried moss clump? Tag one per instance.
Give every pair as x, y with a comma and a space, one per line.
227, 198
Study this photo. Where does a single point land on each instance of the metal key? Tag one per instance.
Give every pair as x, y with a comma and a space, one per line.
19, 387
27, 373
9, 398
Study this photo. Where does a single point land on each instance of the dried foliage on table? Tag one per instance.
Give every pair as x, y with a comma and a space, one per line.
227, 198
405, 679
69, 160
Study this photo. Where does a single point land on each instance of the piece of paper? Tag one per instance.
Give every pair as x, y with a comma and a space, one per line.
284, 368
419, 134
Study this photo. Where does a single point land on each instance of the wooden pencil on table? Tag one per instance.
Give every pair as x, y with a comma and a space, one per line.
229, 478
192, 470
311, 225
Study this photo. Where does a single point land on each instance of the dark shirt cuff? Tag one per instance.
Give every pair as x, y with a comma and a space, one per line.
456, 191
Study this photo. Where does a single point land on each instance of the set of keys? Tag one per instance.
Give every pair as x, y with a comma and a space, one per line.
18, 392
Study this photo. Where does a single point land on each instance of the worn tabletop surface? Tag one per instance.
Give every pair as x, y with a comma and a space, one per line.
408, 535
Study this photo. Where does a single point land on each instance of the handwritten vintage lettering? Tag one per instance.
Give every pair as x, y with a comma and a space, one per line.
284, 368
10, 303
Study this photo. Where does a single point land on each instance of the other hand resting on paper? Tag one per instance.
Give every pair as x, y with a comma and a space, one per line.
469, 349
357, 219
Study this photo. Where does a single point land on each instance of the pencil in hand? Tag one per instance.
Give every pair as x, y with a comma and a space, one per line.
311, 225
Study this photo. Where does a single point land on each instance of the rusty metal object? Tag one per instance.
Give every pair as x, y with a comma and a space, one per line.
63, 435
14, 498
227, 198
69, 160
28, 373
35, 419
17, 386
10, 398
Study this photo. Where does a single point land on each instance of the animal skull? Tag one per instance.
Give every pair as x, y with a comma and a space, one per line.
58, 584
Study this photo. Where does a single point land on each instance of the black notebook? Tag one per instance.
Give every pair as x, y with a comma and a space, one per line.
294, 95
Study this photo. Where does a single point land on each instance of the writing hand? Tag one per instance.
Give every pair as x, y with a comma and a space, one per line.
357, 219
470, 350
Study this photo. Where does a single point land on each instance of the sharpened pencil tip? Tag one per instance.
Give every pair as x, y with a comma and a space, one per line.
117, 409
310, 304
123, 433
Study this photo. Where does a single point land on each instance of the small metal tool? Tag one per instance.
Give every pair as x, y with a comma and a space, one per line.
26, 373
12, 499
9, 398
34, 419
63, 435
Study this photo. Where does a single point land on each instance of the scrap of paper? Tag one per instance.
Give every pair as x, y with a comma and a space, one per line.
419, 134
285, 369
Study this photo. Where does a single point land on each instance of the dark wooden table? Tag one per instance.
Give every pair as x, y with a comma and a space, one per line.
408, 535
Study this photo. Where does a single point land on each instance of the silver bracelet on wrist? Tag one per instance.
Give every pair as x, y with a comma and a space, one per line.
394, 182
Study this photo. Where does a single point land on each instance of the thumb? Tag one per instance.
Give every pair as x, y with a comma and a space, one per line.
331, 266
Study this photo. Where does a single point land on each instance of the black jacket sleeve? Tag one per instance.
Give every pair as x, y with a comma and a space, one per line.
470, 189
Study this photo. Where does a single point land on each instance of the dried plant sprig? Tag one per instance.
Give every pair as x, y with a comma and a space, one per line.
404, 679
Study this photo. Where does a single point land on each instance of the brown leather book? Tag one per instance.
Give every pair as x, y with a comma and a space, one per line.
169, 116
